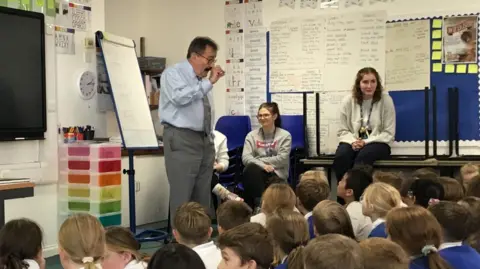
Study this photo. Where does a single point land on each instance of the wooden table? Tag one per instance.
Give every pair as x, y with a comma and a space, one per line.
13, 191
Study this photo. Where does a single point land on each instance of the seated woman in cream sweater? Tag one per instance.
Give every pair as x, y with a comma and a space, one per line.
367, 120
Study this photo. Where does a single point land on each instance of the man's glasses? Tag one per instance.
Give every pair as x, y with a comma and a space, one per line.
210, 60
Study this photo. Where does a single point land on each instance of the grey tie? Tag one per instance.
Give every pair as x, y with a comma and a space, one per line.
207, 114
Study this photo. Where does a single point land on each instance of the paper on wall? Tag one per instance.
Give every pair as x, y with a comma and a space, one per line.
350, 3
80, 16
235, 103
329, 3
234, 16
408, 55
63, 17
39, 6
64, 40
286, 3
235, 46
234, 75
253, 14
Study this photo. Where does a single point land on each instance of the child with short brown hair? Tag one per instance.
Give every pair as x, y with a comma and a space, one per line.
192, 227
382, 253
123, 250
453, 189
333, 251
330, 217
473, 187
457, 224
390, 178
425, 173
310, 192
81, 242
231, 214
378, 199
417, 231
473, 205
248, 244
276, 196
289, 230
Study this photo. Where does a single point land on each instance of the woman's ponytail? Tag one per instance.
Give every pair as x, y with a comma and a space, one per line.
435, 261
295, 258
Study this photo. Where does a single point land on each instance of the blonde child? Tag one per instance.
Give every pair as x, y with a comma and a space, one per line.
81, 242
192, 227
378, 200
457, 223
330, 217
276, 196
333, 251
314, 174
232, 213
310, 192
289, 230
21, 245
123, 250
467, 172
382, 253
417, 231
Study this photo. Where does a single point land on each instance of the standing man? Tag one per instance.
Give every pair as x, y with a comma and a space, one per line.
185, 110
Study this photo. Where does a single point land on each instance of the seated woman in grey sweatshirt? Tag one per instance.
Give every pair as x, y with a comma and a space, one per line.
266, 154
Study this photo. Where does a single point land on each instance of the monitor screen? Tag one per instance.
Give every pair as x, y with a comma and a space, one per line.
22, 75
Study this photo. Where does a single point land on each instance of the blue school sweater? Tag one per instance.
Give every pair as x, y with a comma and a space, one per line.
460, 257
310, 226
378, 231
282, 265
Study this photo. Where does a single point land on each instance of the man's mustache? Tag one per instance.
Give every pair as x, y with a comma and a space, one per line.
208, 69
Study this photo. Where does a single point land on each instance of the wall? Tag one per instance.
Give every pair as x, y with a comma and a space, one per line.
38, 159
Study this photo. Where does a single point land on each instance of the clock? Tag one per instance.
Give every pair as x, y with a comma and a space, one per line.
87, 84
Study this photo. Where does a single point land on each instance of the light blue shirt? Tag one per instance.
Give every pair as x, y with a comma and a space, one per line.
181, 95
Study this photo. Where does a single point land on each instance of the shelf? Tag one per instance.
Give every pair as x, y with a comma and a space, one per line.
152, 71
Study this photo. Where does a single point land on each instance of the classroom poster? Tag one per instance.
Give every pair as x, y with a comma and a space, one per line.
64, 40
460, 38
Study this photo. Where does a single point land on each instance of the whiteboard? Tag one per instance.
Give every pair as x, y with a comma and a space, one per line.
128, 92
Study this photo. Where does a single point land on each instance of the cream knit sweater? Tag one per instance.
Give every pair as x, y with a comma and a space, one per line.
382, 120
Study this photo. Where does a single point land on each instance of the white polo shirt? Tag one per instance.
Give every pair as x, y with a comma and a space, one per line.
210, 254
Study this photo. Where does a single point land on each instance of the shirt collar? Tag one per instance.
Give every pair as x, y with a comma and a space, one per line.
189, 68
308, 215
204, 246
450, 245
32, 264
377, 222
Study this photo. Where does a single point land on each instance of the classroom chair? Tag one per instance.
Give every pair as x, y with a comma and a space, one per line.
294, 125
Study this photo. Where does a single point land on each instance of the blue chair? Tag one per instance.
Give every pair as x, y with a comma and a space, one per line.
235, 128
294, 125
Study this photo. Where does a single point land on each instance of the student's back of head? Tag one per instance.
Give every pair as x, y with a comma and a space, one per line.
467, 172
231, 214
453, 189
381, 253
247, 244
314, 174
278, 196
20, 239
122, 249
192, 226
389, 178
426, 190
330, 217
81, 241
353, 183
310, 192
289, 230
417, 231
473, 205
333, 251
425, 173
379, 198
175, 256
473, 188
455, 219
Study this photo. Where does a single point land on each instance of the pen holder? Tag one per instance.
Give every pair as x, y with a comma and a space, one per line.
89, 135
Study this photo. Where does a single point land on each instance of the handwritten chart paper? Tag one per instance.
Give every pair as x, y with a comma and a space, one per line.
350, 3
352, 42
296, 57
235, 45
408, 55
292, 104
64, 40
286, 3
329, 3
309, 4
253, 14
234, 76
330, 103
234, 16
80, 16
235, 103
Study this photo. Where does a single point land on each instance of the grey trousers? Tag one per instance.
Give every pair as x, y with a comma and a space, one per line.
189, 158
